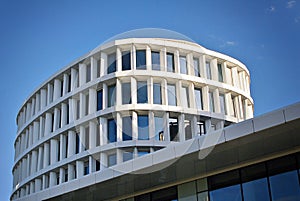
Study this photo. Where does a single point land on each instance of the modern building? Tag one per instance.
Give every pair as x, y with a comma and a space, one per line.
152, 115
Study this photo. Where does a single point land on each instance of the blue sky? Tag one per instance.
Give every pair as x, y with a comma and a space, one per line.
40, 37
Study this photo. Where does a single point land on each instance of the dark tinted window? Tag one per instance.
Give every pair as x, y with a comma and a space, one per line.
141, 59
111, 63
126, 64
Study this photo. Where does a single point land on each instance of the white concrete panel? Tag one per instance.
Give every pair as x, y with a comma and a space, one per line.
268, 120
239, 130
292, 112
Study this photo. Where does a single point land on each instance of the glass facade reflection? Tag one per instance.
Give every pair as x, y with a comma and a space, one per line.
126, 64
142, 92
111, 63
141, 59
275, 180
170, 62
155, 59
143, 127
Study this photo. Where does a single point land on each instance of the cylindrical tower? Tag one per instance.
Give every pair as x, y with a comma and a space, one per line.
134, 95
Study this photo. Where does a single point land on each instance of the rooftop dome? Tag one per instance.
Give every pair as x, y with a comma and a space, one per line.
150, 33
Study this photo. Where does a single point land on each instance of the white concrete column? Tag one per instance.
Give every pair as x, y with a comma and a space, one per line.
71, 143
202, 64
54, 151
72, 110
150, 90
191, 97
74, 78
119, 126
46, 154
38, 185
104, 94
57, 89
50, 94
240, 107
217, 101
65, 84
205, 98
190, 64
28, 109
133, 90
32, 188
82, 139
119, 154
164, 90
93, 68
44, 182
56, 119
118, 92
64, 114
79, 168
181, 130
103, 64
148, 58
134, 126
103, 161
40, 158
33, 162
43, 98
92, 164
214, 69
82, 104
48, 123
53, 181
103, 130
229, 104
63, 147
151, 126
176, 61
71, 172
92, 133
61, 175
163, 59
166, 127
82, 74
118, 60
30, 136
32, 112
194, 125
133, 56
235, 77
92, 101
178, 94
36, 126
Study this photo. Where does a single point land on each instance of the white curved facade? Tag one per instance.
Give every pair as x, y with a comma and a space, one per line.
126, 98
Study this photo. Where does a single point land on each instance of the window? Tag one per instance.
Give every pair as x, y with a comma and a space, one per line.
187, 129
127, 128
127, 155
141, 59
99, 100
112, 160
86, 168
155, 58
222, 103
156, 93
126, 64
198, 98
200, 129
111, 95
211, 102
173, 128
142, 94
159, 128
220, 73
208, 70
111, 63
185, 97
143, 127
183, 66
170, 62
126, 93
196, 67
171, 94
143, 151
111, 131
88, 73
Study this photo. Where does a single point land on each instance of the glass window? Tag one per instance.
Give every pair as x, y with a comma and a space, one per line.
200, 129
285, 186
126, 64
143, 127
155, 58
222, 103
187, 129
112, 160
111, 130
111, 63
159, 128
220, 73
196, 67
142, 94
208, 70
127, 155
157, 93
127, 128
203, 196
88, 72
99, 100
183, 66
198, 98
141, 59
227, 193
185, 97
171, 94
211, 102
170, 62
126, 93
256, 190
86, 168
187, 191
111, 95
173, 129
